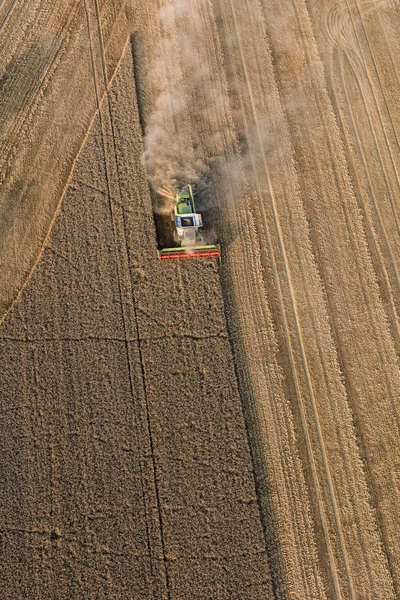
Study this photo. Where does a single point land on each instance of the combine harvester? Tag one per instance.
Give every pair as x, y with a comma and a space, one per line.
188, 231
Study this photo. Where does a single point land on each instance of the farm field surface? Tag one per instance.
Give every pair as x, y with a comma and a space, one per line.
200, 429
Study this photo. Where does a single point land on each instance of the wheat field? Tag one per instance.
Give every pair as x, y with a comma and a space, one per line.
200, 429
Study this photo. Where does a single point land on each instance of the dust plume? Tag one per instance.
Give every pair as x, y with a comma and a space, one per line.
179, 78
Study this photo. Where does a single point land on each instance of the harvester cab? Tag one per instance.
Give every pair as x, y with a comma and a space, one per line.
187, 221
188, 232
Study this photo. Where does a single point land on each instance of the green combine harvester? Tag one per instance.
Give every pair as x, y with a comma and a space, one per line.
188, 231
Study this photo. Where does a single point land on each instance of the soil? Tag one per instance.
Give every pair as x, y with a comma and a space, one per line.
200, 429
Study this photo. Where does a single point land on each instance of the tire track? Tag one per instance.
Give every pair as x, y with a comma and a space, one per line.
361, 19
341, 41
350, 233
8, 13
375, 5
334, 28
9, 144
125, 318
371, 87
348, 220
389, 46
344, 204
277, 282
302, 349
368, 113
337, 36
375, 244
351, 237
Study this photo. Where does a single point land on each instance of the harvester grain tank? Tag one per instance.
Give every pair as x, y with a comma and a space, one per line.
188, 233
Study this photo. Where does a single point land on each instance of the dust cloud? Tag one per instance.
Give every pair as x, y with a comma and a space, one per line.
180, 75
189, 94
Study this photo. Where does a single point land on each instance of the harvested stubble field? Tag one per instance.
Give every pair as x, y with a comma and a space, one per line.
198, 430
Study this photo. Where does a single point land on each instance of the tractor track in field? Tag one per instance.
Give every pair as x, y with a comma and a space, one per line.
386, 177
30, 93
123, 248
375, 243
361, 279
361, 19
337, 179
290, 349
381, 120
334, 35
389, 52
8, 13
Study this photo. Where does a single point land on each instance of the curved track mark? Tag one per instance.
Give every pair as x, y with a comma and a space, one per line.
335, 31
368, 79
